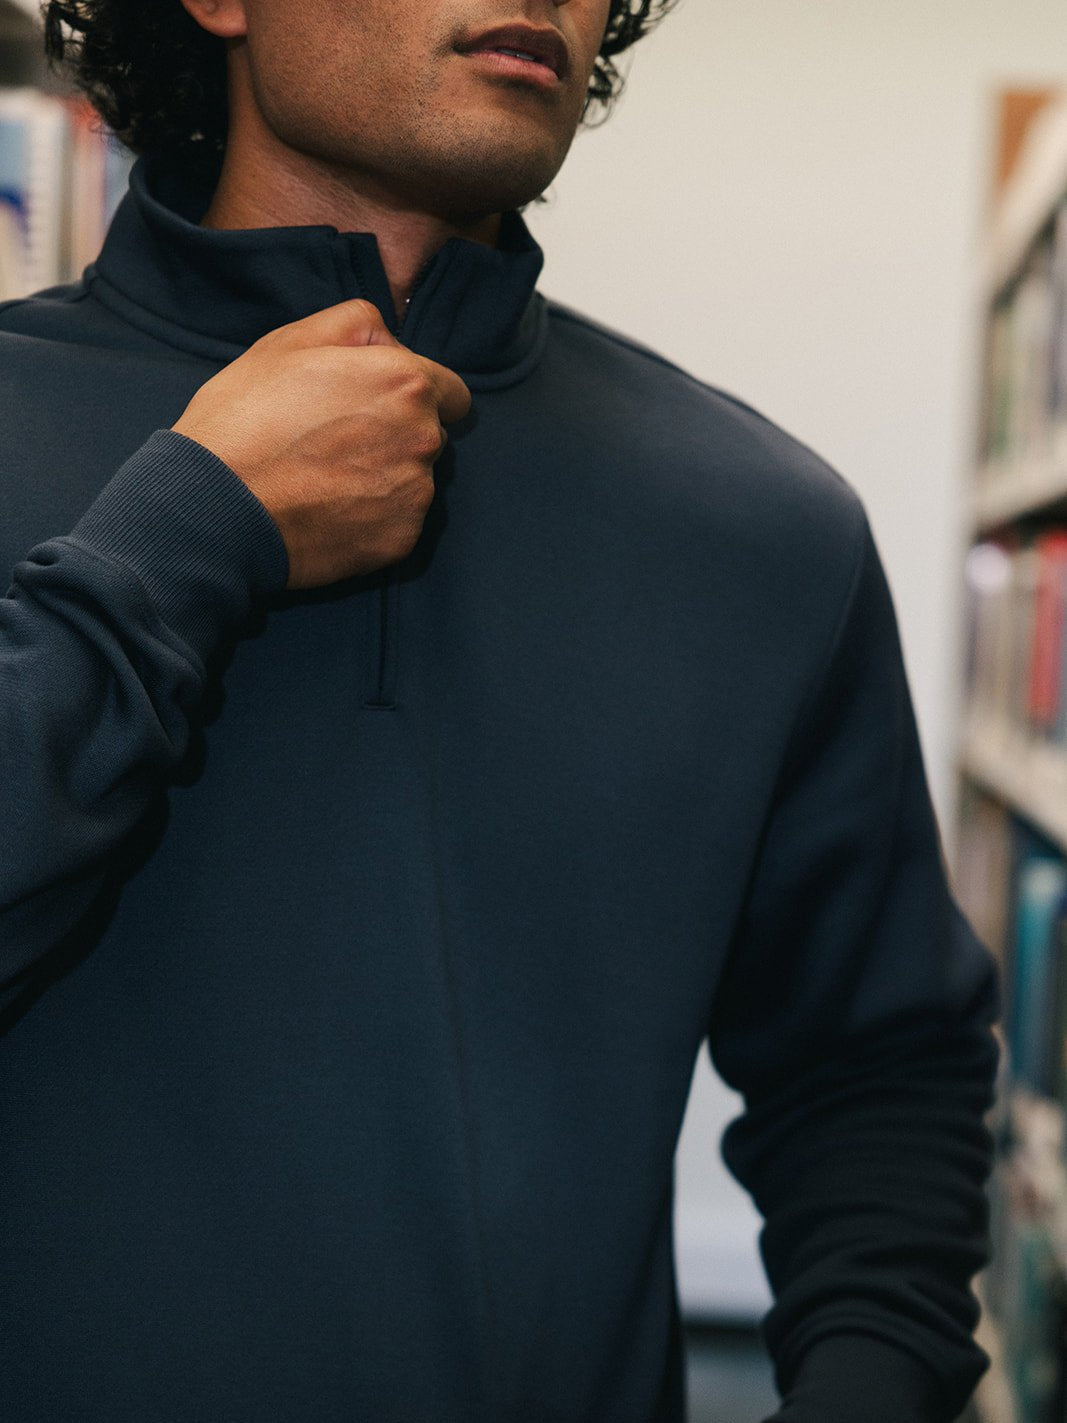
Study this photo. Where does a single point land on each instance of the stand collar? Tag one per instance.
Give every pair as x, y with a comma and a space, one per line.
216, 291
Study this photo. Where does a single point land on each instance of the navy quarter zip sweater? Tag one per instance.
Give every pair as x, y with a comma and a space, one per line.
357, 945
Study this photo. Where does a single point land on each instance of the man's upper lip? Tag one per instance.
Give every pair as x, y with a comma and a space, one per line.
547, 45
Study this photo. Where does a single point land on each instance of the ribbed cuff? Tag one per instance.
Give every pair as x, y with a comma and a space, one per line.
856, 1378
193, 533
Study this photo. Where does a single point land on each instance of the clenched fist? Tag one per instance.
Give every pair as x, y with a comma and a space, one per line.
335, 427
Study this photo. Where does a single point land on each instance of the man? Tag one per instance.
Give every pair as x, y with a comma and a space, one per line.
427, 716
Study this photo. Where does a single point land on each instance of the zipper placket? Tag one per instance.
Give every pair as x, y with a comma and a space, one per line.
388, 592
383, 624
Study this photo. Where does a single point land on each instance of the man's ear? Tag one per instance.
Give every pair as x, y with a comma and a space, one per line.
225, 18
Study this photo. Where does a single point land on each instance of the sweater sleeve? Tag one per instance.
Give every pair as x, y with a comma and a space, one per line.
854, 1016
104, 639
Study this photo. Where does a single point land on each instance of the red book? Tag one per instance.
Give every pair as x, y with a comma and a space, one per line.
1047, 646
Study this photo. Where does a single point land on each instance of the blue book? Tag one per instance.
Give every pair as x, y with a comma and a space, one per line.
1042, 891
15, 183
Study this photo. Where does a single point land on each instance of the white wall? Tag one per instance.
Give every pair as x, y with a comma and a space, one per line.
787, 203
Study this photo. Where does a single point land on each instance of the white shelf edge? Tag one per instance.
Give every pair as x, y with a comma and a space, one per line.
1028, 775
1021, 486
1030, 197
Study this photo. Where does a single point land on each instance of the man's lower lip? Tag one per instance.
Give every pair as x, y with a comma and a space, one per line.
510, 64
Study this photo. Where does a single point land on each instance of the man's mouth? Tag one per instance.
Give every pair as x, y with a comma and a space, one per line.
518, 54
527, 51
521, 66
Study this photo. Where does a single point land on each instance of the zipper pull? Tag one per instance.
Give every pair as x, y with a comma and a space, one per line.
398, 321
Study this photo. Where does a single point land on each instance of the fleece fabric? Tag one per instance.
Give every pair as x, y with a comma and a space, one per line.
358, 944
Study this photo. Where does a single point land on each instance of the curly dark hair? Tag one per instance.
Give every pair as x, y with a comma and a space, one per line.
158, 79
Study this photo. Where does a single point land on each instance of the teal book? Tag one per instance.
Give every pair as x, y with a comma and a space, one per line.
1042, 890
1058, 995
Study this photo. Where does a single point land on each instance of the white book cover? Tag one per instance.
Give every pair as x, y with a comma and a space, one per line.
34, 163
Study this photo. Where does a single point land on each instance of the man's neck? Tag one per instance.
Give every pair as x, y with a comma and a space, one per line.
251, 194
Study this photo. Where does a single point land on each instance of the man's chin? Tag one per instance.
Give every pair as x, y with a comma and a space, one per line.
468, 192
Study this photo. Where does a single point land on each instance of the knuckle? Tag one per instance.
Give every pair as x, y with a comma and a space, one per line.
417, 384
426, 440
397, 362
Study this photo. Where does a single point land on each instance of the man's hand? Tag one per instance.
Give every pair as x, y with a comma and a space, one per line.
335, 427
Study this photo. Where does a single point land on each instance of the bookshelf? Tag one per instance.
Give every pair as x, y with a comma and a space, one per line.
1011, 863
1026, 775
62, 174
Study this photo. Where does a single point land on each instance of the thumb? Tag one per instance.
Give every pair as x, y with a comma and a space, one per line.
350, 323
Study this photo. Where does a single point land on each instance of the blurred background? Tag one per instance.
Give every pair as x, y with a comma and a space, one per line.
853, 217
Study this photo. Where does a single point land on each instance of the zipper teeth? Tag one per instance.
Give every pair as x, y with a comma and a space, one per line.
419, 279
387, 591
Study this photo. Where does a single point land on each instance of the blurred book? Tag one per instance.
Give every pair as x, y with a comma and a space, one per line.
1041, 903
62, 174
1016, 636
1025, 378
